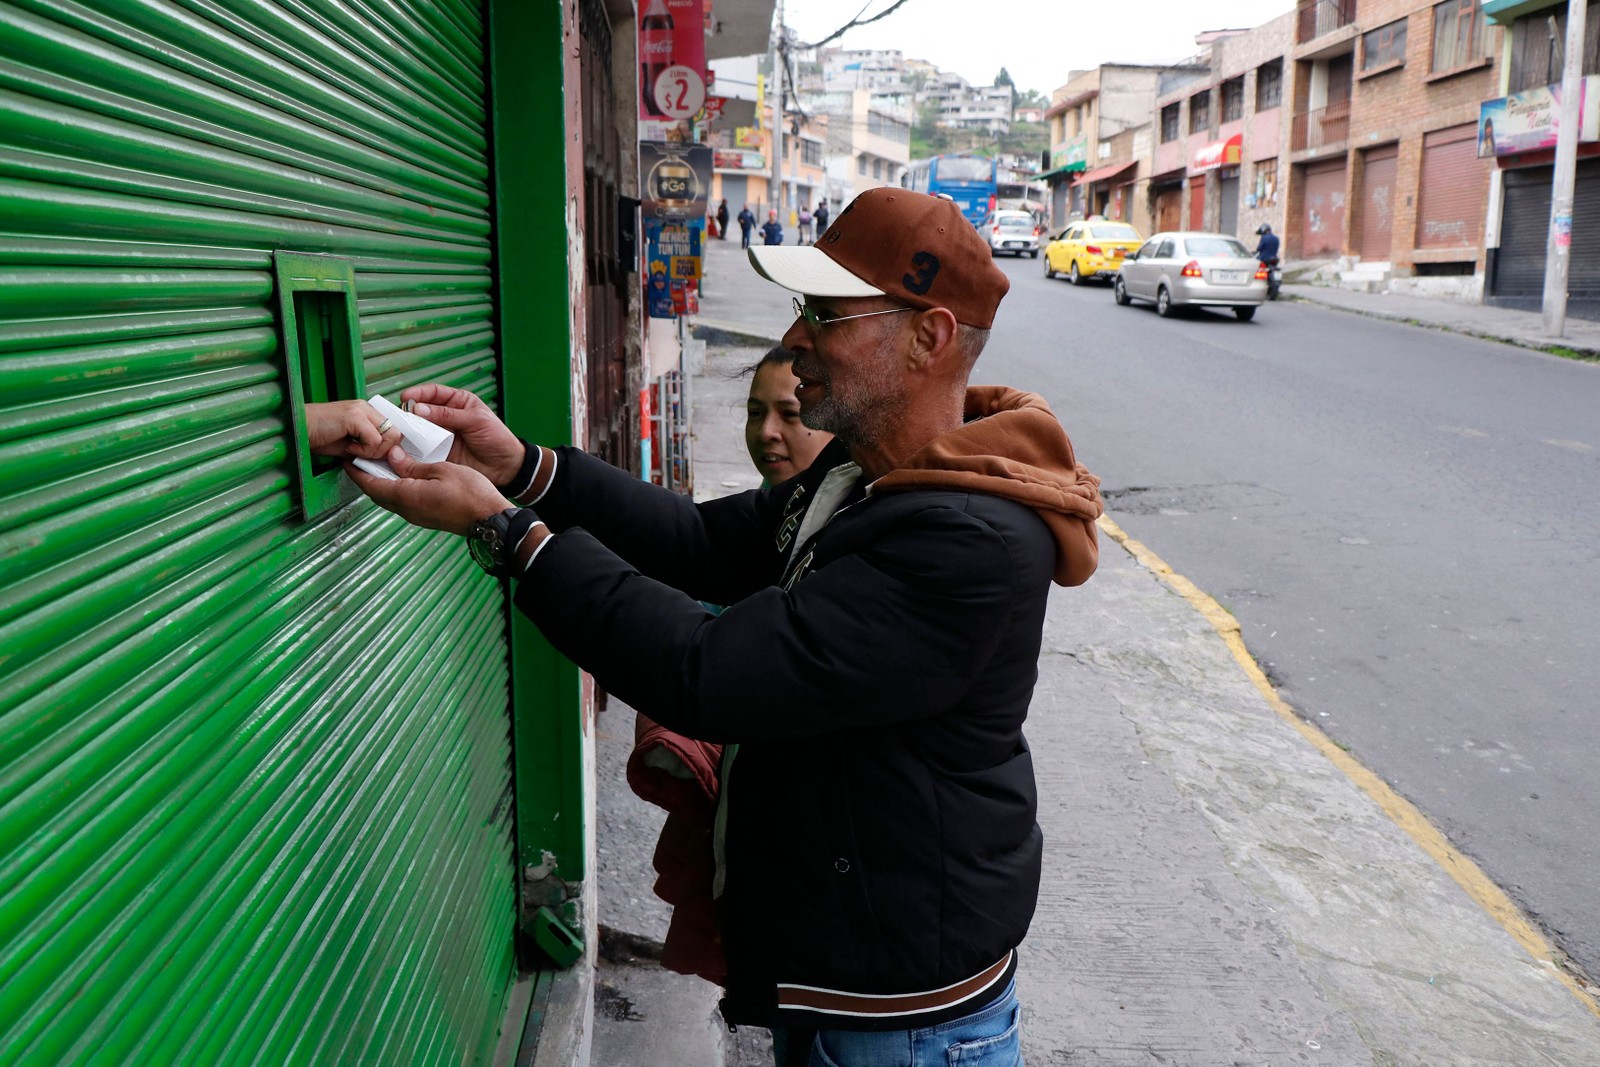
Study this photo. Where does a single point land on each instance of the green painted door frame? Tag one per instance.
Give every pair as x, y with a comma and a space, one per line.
533, 282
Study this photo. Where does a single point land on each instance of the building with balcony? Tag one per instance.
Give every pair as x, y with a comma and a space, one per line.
1517, 129
868, 144
1383, 170
1221, 126
1087, 172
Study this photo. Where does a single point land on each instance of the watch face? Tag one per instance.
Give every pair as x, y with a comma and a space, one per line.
482, 554
484, 542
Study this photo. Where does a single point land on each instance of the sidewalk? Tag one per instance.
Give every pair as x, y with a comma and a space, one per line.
1525, 328
1216, 889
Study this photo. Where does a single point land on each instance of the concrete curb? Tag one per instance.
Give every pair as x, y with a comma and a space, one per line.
1566, 349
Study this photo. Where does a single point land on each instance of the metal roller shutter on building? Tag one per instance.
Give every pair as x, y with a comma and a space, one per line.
1453, 190
1228, 202
1322, 224
1381, 172
1525, 229
254, 790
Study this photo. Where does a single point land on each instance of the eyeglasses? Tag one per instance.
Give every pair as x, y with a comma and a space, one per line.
816, 320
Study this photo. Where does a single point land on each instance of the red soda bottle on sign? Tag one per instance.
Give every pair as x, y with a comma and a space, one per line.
655, 51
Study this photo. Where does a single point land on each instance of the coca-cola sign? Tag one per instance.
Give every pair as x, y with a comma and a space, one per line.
672, 58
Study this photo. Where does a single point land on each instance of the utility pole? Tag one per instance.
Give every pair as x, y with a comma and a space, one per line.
792, 193
775, 82
1559, 247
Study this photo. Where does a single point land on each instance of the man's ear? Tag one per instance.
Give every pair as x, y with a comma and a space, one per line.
933, 340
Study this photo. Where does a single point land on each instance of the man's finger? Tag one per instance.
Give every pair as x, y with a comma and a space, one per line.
443, 395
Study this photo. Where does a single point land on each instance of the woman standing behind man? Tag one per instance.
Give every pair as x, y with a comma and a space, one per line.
780, 445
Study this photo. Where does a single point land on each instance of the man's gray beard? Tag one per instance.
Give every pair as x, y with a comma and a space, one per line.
839, 419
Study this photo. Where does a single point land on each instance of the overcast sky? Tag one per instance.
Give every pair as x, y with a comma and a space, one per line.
1038, 41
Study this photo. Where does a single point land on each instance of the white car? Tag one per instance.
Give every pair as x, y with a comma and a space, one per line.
1175, 270
1016, 232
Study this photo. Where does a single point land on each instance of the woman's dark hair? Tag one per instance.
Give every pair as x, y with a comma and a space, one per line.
776, 355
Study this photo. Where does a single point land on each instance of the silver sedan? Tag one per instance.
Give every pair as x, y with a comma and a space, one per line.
1175, 270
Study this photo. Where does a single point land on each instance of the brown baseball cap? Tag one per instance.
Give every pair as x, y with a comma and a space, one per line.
911, 247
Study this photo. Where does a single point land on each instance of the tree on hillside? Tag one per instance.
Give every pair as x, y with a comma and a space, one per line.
1004, 78
1032, 98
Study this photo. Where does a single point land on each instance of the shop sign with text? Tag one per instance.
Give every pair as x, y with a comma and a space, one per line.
672, 59
1528, 121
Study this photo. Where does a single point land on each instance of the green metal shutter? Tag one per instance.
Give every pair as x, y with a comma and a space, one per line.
255, 786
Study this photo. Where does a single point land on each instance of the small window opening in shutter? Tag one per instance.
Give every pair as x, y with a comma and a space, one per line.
321, 345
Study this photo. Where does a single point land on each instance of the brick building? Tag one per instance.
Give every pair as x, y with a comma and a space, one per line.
1382, 147
1086, 115
1221, 127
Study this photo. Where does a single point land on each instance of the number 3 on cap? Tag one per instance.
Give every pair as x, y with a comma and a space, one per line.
925, 266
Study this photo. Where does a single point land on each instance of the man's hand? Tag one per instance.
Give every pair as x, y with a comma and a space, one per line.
343, 428
440, 496
482, 441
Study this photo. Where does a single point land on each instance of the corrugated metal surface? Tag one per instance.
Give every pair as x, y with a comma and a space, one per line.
1453, 190
1378, 178
254, 772
1322, 222
1525, 233
1197, 202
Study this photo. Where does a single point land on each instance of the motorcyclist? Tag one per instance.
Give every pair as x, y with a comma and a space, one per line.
1267, 253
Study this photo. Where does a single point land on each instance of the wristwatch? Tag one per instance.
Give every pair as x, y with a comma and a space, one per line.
492, 542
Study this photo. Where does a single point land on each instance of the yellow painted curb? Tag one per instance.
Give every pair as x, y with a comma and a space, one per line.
1488, 896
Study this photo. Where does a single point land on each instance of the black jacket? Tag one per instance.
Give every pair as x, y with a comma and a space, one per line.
880, 798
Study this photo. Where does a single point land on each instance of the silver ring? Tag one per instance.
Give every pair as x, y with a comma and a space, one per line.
385, 426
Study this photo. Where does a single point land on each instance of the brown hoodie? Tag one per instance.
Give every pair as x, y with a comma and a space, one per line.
1012, 446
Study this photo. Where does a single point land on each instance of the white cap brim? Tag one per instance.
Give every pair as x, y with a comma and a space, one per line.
804, 269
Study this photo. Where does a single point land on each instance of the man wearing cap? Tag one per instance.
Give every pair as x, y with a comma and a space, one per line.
877, 854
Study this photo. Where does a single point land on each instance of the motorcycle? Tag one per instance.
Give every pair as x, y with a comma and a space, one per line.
1274, 277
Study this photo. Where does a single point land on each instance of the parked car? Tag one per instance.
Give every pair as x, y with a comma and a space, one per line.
1090, 249
1176, 270
1016, 232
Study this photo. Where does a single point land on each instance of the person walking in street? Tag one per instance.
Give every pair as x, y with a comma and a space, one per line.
722, 219
805, 225
772, 230
877, 854
821, 217
747, 223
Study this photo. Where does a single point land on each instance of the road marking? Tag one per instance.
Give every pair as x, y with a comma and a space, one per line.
1574, 446
1488, 896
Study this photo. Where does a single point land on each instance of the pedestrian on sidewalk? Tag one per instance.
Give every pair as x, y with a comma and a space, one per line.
878, 860
805, 225
821, 217
747, 223
722, 219
772, 230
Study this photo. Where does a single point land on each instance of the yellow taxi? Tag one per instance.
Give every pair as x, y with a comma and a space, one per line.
1090, 247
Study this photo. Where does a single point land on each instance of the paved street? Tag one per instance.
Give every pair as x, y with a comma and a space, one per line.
1405, 523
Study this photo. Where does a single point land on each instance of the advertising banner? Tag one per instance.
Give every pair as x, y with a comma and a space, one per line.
1217, 154
672, 59
747, 136
675, 180
728, 159
673, 250
1528, 121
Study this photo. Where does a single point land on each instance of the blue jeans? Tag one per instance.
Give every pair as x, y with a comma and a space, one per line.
990, 1037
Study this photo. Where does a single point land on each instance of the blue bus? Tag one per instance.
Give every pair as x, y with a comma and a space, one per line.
968, 180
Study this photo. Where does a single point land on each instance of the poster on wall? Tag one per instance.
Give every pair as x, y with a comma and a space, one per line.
1528, 121
675, 179
672, 59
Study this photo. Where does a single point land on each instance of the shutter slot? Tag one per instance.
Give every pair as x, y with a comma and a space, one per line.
120, 330
86, 407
